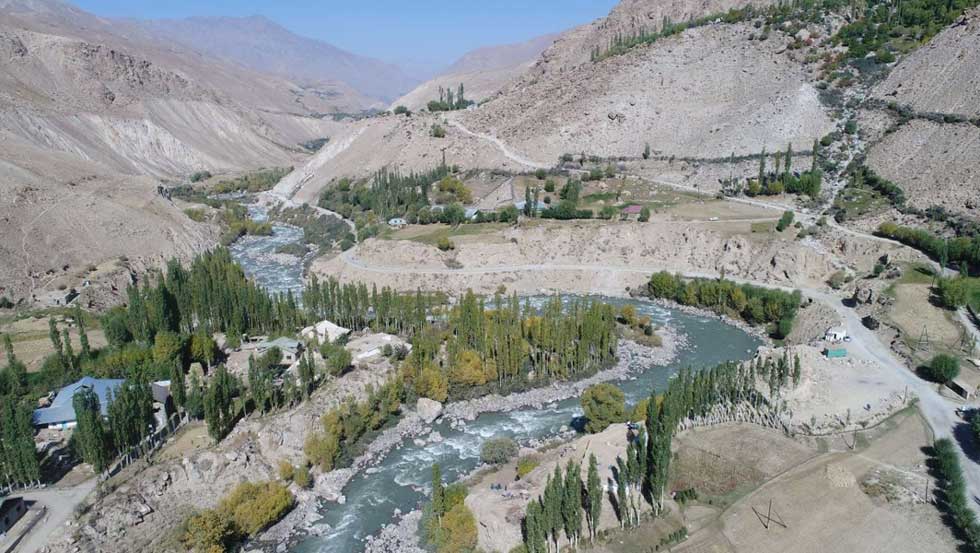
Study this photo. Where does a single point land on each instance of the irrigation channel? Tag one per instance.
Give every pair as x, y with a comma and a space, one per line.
401, 480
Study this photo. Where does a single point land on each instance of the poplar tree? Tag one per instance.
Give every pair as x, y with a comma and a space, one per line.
572, 503
622, 508
762, 167
18, 455
178, 387
816, 152
69, 353
55, 337
91, 438
789, 159
593, 503
16, 371
82, 335
218, 404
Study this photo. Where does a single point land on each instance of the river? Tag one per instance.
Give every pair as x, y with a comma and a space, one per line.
401, 480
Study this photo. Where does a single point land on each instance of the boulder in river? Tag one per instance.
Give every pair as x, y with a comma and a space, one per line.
428, 409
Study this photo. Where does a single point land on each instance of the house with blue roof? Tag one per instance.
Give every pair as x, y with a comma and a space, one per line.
61, 413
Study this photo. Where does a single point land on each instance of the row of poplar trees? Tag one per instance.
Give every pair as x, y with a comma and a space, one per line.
643, 474
18, 457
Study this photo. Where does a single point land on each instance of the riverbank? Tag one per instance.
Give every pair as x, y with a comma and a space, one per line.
632, 356
329, 487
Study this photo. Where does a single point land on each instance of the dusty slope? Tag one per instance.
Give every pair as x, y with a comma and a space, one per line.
394, 141
706, 93
942, 76
586, 257
105, 105
627, 18
482, 72
935, 164
59, 214
263, 45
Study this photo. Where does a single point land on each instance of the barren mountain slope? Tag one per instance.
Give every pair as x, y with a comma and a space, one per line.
482, 72
587, 257
936, 163
107, 106
944, 75
627, 18
263, 45
707, 92
398, 142
60, 214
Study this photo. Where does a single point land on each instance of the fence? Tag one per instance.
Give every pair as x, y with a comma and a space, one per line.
150, 444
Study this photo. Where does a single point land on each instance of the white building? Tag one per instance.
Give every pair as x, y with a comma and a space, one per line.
836, 334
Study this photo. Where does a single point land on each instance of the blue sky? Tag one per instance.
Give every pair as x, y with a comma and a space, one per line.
407, 31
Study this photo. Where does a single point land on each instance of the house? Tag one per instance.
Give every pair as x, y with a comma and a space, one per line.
11, 510
471, 213
632, 210
397, 222
324, 331
835, 334
289, 348
61, 413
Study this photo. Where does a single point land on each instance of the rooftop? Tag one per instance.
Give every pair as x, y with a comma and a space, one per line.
62, 410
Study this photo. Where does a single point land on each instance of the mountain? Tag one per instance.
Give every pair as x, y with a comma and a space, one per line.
701, 94
931, 150
90, 123
482, 72
265, 46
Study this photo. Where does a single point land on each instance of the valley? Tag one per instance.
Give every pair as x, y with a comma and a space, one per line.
689, 277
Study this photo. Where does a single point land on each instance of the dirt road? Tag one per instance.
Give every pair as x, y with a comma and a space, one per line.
61, 503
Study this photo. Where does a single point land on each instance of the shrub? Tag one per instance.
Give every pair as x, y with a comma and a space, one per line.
540, 174
526, 464
644, 214
286, 470
246, 511
5, 303
200, 175
195, 214
549, 186
302, 477
603, 404
445, 244
785, 221
438, 131
497, 451
402, 110
837, 280
943, 368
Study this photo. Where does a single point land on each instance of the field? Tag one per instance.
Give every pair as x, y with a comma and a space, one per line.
29, 335
919, 320
872, 498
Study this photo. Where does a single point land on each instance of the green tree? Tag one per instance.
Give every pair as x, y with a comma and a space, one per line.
571, 506
603, 404
18, 455
178, 386
644, 214
497, 451
91, 438
82, 335
218, 400
593, 497
131, 413
943, 368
